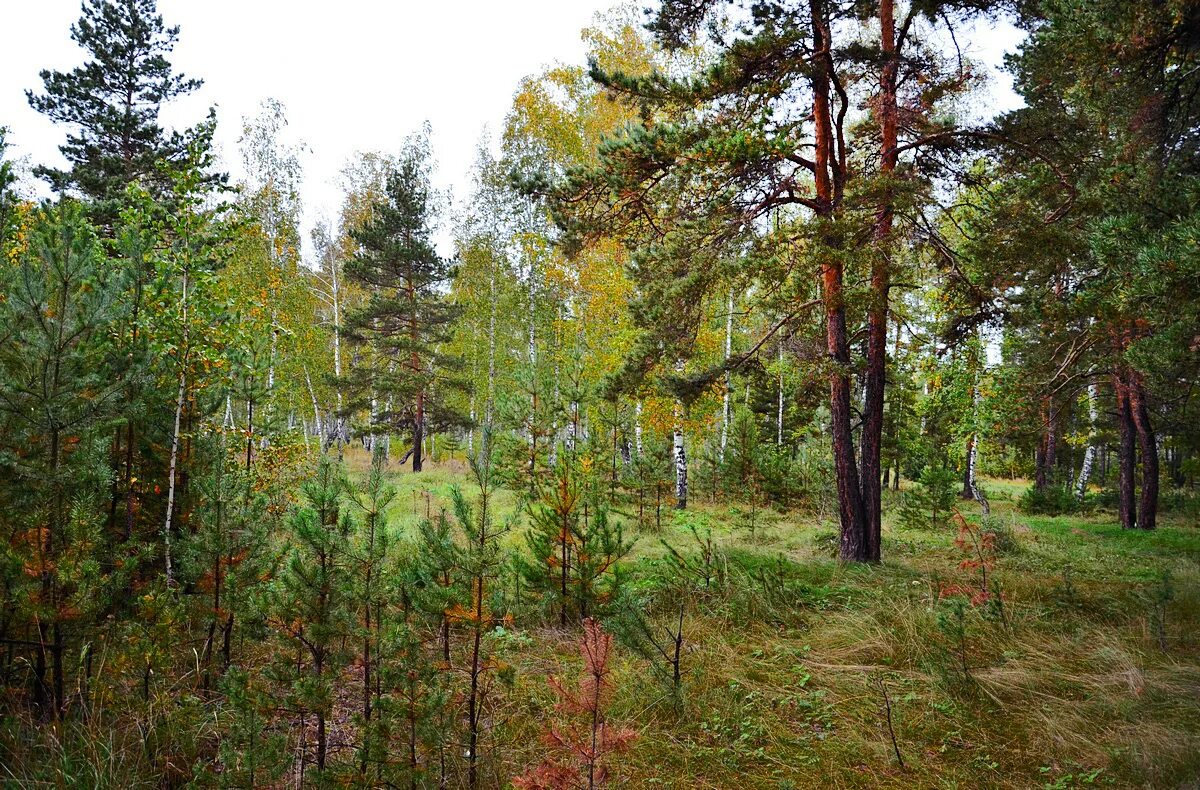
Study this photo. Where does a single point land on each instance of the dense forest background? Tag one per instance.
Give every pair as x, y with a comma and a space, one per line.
826, 433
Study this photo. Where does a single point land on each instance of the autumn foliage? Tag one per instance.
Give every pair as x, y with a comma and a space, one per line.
581, 745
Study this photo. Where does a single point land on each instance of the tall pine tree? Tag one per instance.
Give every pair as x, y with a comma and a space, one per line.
406, 321
113, 101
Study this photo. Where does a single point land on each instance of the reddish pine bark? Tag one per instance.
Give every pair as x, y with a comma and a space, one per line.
1148, 446
1046, 455
877, 318
850, 503
1126, 455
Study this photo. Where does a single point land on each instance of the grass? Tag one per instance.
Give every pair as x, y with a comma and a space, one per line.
1091, 679
1077, 692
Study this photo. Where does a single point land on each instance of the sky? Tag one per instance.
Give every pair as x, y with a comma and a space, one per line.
354, 75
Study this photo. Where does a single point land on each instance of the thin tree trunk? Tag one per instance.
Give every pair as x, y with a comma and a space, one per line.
973, 457
489, 404
1148, 446
637, 427
1047, 451
728, 378
316, 409
877, 316
968, 482
1126, 455
418, 432
175, 436
779, 415
1089, 455
680, 452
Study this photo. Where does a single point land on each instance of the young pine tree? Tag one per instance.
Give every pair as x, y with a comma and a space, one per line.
929, 505
63, 382
573, 544
583, 744
370, 554
479, 564
554, 523
650, 476
309, 600
227, 555
415, 720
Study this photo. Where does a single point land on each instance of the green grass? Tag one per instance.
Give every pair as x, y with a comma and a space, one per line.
1091, 679
784, 688
1077, 692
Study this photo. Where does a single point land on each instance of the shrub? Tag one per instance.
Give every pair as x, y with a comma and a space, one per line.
928, 505
1049, 501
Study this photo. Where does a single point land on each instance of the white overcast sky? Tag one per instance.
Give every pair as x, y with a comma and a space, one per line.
354, 75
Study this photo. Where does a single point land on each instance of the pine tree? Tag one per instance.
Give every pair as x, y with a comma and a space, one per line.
928, 506
309, 598
406, 320
370, 548
113, 100
479, 561
582, 750
415, 720
61, 381
8, 200
226, 557
573, 544
551, 539
688, 182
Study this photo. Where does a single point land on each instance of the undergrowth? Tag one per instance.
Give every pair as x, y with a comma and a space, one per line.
1075, 664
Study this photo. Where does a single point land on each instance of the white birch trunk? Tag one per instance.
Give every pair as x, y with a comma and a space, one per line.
554, 423
637, 428
779, 419
728, 377
474, 381
316, 409
1089, 455
182, 356
681, 470
489, 405
973, 455
339, 426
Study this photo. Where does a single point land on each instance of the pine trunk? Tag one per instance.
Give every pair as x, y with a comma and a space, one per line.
1148, 447
854, 543
1126, 455
877, 317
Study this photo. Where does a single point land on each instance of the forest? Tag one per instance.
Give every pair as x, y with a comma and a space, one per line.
770, 414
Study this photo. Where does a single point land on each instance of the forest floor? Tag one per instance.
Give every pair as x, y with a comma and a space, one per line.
1090, 674
1087, 673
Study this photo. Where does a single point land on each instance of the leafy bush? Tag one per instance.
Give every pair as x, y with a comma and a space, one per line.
1049, 501
929, 504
